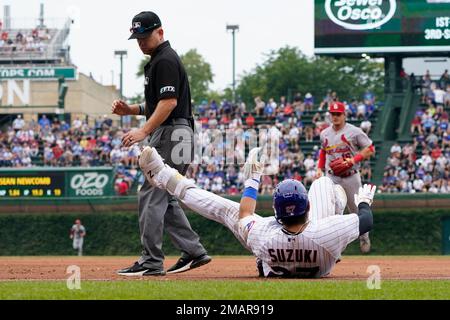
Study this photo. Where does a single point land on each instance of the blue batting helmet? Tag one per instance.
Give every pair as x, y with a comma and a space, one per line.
290, 199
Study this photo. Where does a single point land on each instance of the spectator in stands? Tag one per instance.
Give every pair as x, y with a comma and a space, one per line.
19, 37
444, 80
259, 106
107, 122
294, 135
396, 150
361, 111
298, 105
351, 109
44, 122
5, 36
309, 102
270, 109
329, 98
428, 123
212, 121
366, 171
416, 125
250, 121
77, 123
309, 134
366, 125
431, 140
418, 185
447, 97
121, 187
233, 191
309, 163
18, 123
426, 80
266, 185
439, 95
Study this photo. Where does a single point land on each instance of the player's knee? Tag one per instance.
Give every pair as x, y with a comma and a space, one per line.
340, 199
322, 181
175, 183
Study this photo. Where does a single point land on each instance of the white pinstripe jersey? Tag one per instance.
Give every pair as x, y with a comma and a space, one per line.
312, 253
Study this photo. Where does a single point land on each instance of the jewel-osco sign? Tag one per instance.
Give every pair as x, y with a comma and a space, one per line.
38, 73
360, 14
378, 27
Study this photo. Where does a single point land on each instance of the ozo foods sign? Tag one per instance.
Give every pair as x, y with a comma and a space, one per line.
360, 14
91, 184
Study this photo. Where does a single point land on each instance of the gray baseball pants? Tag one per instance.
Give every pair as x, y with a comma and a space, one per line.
159, 210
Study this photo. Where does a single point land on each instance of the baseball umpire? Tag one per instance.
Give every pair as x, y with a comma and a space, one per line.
168, 110
344, 146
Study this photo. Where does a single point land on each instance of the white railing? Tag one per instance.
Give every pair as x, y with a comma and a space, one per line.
31, 23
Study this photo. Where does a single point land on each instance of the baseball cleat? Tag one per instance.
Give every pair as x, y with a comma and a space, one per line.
154, 273
150, 163
136, 270
185, 264
364, 243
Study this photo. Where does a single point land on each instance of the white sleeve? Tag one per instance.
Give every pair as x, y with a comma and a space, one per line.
245, 225
336, 232
254, 230
362, 139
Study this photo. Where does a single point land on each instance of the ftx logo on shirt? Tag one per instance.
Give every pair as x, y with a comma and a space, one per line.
167, 89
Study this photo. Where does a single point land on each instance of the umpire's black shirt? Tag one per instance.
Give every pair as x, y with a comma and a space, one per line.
165, 78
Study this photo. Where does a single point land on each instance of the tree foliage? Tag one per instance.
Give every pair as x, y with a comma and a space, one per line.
287, 71
199, 73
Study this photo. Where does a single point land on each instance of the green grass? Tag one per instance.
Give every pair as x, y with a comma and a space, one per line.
227, 290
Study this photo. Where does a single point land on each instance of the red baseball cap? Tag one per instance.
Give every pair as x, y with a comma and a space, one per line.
336, 107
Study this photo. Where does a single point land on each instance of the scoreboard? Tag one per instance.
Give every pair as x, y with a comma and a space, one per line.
44, 182
378, 27
36, 184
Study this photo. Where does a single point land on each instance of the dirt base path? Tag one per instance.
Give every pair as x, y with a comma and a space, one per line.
221, 268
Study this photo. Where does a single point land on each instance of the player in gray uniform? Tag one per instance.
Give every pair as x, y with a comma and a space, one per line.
344, 140
77, 233
304, 239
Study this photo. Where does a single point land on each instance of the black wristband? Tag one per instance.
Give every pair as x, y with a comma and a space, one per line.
141, 109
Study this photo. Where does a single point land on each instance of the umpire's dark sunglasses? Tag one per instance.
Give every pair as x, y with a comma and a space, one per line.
141, 30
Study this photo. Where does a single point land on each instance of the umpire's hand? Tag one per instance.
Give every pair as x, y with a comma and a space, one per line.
120, 108
133, 136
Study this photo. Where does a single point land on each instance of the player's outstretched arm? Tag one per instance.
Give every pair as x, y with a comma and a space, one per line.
253, 169
364, 200
364, 154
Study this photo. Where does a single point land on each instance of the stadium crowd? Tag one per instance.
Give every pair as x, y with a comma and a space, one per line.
54, 143
297, 124
34, 40
424, 165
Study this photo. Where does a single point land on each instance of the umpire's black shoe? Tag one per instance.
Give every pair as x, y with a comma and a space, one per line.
138, 270
185, 264
154, 272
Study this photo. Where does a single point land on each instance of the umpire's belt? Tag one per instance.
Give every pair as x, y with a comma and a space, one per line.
177, 121
344, 175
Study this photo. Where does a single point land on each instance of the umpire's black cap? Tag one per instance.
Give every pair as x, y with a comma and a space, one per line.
143, 24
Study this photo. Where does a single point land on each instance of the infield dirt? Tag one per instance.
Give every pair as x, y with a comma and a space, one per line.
221, 268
